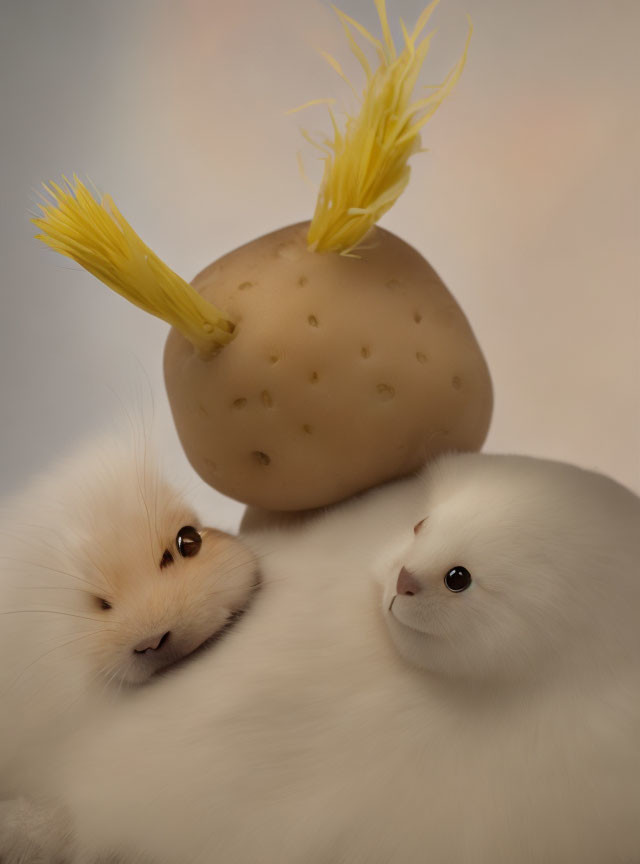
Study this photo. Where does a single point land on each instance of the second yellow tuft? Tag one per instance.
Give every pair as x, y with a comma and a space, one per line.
366, 166
99, 238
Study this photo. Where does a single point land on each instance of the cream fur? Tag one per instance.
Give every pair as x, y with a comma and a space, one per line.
95, 527
511, 736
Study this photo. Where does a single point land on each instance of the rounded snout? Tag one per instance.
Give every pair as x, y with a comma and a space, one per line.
151, 643
407, 584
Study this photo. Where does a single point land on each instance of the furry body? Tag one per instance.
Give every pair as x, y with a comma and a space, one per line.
310, 738
84, 589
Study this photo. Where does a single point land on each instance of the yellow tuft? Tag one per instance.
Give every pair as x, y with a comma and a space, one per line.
366, 166
99, 238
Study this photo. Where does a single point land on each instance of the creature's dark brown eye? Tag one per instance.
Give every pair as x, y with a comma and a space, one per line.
103, 604
167, 558
457, 579
419, 525
188, 541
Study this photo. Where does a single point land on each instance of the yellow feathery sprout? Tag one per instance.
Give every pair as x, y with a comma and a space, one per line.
99, 238
366, 166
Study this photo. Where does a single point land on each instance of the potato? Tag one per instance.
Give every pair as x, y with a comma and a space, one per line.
345, 372
325, 357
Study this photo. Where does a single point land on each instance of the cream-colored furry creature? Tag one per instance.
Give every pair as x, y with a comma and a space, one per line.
107, 579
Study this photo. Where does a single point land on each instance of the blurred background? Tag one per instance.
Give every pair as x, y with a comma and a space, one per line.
527, 203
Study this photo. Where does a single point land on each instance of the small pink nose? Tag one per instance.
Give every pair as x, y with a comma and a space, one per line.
407, 583
151, 643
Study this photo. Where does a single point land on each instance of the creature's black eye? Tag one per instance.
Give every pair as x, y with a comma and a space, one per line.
188, 541
457, 579
167, 558
103, 604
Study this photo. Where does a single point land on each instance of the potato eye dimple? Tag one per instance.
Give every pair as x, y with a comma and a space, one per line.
188, 541
103, 604
419, 525
167, 558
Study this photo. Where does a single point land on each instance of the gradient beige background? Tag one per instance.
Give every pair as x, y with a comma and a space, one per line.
527, 203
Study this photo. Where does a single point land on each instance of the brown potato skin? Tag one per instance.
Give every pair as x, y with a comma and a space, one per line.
345, 373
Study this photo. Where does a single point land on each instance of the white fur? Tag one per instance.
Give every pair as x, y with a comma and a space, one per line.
308, 738
34, 832
554, 562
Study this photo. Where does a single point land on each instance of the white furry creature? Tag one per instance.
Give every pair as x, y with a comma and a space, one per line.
518, 570
107, 578
464, 694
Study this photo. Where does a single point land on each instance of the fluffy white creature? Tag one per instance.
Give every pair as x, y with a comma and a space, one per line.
107, 578
461, 693
519, 570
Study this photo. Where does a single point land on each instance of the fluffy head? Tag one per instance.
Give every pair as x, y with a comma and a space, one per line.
542, 560
135, 575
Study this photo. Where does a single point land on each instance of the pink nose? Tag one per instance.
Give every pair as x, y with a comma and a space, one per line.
407, 583
151, 643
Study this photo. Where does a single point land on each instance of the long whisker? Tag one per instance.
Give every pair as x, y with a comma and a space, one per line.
123, 675
49, 568
257, 584
53, 676
141, 480
113, 669
222, 574
37, 528
98, 569
221, 570
46, 654
92, 680
48, 612
66, 552
48, 588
